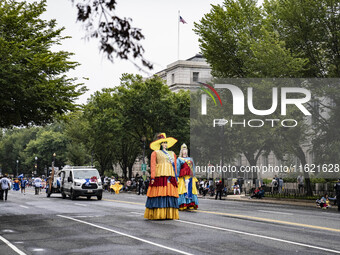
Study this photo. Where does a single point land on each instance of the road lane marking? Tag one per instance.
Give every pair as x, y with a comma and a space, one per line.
126, 202
275, 212
271, 220
127, 235
240, 216
137, 213
261, 236
84, 216
8, 231
14, 248
38, 249
80, 204
24, 206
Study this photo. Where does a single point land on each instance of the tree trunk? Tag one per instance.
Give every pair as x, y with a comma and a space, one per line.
301, 155
130, 171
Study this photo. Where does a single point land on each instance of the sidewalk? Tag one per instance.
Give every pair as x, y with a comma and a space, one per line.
269, 200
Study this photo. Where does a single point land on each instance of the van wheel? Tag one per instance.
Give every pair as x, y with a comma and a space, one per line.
73, 196
88, 197
63, 195
99, 197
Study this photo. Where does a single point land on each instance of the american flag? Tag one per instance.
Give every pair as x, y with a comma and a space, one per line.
182, 20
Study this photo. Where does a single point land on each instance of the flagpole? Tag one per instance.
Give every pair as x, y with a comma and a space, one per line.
178, 35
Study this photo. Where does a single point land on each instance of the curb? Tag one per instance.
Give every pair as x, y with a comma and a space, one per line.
302, 203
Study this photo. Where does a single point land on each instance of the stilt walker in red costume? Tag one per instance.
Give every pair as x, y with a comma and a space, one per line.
186, 181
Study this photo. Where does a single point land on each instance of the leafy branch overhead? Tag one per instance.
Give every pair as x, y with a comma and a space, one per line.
116, 34
33, 82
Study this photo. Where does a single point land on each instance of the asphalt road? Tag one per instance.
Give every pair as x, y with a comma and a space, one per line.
35, 224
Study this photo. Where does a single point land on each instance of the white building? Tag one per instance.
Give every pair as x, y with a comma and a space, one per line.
184, 74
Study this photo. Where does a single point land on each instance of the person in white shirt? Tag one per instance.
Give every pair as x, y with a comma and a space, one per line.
236, 188
37, 185
112, 183
5, 186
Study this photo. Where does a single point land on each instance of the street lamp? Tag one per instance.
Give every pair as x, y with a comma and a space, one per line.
50, 180
143, 165
17, 166
143, 140
53, 162
36, 165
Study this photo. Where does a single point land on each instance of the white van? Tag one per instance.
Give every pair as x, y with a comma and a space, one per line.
80, 181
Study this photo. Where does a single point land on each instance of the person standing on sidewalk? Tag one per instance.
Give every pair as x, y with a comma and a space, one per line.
140, 185
37, 185
219, 188
337, 191
23, 185
5, 186
300, 183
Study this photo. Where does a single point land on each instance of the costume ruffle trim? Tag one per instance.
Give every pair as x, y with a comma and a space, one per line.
181, 185
163, 191
191, 206
161, 202
164, 170
161, 214
163, 181
185, 170
182, 200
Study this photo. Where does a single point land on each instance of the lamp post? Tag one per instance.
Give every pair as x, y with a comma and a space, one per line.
143, 140
36, 165
50, 180
53, 162
143, 162
17, 166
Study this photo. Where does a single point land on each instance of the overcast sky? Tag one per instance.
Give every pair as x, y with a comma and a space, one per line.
158, 20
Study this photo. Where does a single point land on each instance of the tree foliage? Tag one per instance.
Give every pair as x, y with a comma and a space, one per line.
34, 88
116, 35
118, 119
282, 38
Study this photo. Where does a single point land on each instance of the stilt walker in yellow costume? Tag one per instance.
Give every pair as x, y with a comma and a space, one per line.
186, 181
162, 201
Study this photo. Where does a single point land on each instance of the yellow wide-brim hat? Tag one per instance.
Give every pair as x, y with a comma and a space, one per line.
155, 145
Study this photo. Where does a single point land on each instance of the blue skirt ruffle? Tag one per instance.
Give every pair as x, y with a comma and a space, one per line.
161, 202
183, 200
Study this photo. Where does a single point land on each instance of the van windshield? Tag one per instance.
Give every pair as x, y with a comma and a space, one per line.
85, 174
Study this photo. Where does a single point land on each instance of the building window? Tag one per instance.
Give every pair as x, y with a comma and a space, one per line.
172, 78
316, 112
195, 76
265, 160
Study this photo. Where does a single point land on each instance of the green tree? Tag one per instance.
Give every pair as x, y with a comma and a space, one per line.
310, 29
236, 40
99, 126
118, 119
12, 146
48, 140
33, 86
78, 154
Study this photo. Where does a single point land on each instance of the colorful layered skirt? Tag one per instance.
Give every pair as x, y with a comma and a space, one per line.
162, 201
187, 200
